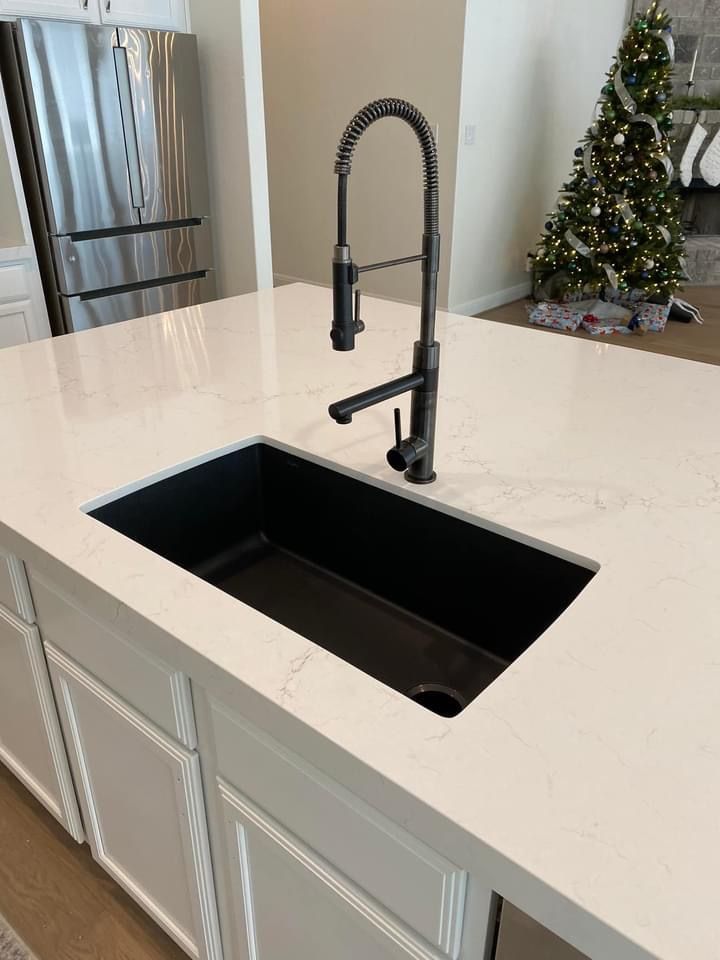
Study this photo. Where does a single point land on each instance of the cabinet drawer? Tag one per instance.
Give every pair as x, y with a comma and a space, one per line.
151, 686
14, 592
415, 883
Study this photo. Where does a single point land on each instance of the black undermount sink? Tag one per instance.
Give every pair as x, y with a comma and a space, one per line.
433, 606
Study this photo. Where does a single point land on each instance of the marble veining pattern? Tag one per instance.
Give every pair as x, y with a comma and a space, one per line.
593, 764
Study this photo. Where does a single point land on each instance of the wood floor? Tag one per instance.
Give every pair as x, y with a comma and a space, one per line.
688, 340
56, 897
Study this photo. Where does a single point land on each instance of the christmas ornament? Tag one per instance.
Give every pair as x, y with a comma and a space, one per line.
549, 226
629, 158
593, 181
633, 243
631, 80
595, 212
619, 139
651, 209
644, 56
608, 89
653, 175
579, 151
614, 229
644, 274
604, 248
649, 264
641, 25
661, 97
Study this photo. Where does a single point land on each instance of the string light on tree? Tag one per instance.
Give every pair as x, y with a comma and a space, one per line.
618, 222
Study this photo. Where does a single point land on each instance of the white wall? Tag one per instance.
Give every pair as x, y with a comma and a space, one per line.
322, 61
231, 74
532, 71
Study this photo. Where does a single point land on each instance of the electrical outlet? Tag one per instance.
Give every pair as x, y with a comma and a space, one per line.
469, 134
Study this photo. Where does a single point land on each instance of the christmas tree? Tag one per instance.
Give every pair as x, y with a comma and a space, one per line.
617, 225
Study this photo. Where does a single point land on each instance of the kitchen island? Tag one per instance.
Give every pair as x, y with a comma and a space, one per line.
582, 785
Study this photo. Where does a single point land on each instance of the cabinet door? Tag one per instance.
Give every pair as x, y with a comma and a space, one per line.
31, 744
142, 802
289, 902
16, 323
65, 9
160, 14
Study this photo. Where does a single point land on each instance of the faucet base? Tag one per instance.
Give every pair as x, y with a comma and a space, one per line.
431, 479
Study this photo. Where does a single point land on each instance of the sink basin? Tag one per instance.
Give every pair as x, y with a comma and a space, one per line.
432, 605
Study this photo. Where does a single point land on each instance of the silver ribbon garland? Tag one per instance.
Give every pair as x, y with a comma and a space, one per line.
651, 121
622, 91
669, 169
666, 235
611, 275
624, 208
587, 160
576, 243
667, 39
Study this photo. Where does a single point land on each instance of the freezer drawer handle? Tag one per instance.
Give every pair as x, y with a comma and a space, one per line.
122, 71
107, 7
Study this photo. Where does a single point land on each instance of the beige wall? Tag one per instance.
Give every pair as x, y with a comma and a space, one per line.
230, 69
11, 230
532, 72
322, 60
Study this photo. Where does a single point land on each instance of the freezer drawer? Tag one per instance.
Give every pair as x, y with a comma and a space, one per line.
82, 314
522, 938
77, 124
159, 85
95, 264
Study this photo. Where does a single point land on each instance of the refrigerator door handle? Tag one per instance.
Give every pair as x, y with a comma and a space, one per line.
122, 71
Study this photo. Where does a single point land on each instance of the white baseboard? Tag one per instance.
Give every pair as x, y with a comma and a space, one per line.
490, 300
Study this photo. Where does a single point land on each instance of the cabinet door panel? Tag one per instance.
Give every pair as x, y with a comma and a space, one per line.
67, 9
143, 806
160, 14
15, 323
31, 744
289, 902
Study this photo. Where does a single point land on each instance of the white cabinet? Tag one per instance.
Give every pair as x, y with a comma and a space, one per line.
31, 743
67, 9
157, 14
287, 901
142, 801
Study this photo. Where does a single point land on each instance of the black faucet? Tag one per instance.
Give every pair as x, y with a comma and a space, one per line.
415, 453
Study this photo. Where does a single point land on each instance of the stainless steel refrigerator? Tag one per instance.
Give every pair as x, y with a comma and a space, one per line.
108, 124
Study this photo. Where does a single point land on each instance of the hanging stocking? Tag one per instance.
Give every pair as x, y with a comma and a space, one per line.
697, 138
710, 163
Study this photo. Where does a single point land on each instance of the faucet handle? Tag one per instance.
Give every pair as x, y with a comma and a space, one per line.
359, 325
398, 426
405, 452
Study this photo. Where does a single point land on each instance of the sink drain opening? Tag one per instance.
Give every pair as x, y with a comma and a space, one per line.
442, 700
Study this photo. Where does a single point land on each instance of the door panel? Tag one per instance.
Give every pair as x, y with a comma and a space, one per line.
141, 795
165, 82
103, 262
31, 744
289, 902
161, 14
73, 9
77, 124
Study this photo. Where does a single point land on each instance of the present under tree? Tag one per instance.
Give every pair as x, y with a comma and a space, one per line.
617, 224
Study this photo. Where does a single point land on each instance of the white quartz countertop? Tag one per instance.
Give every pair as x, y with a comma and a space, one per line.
591, 768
